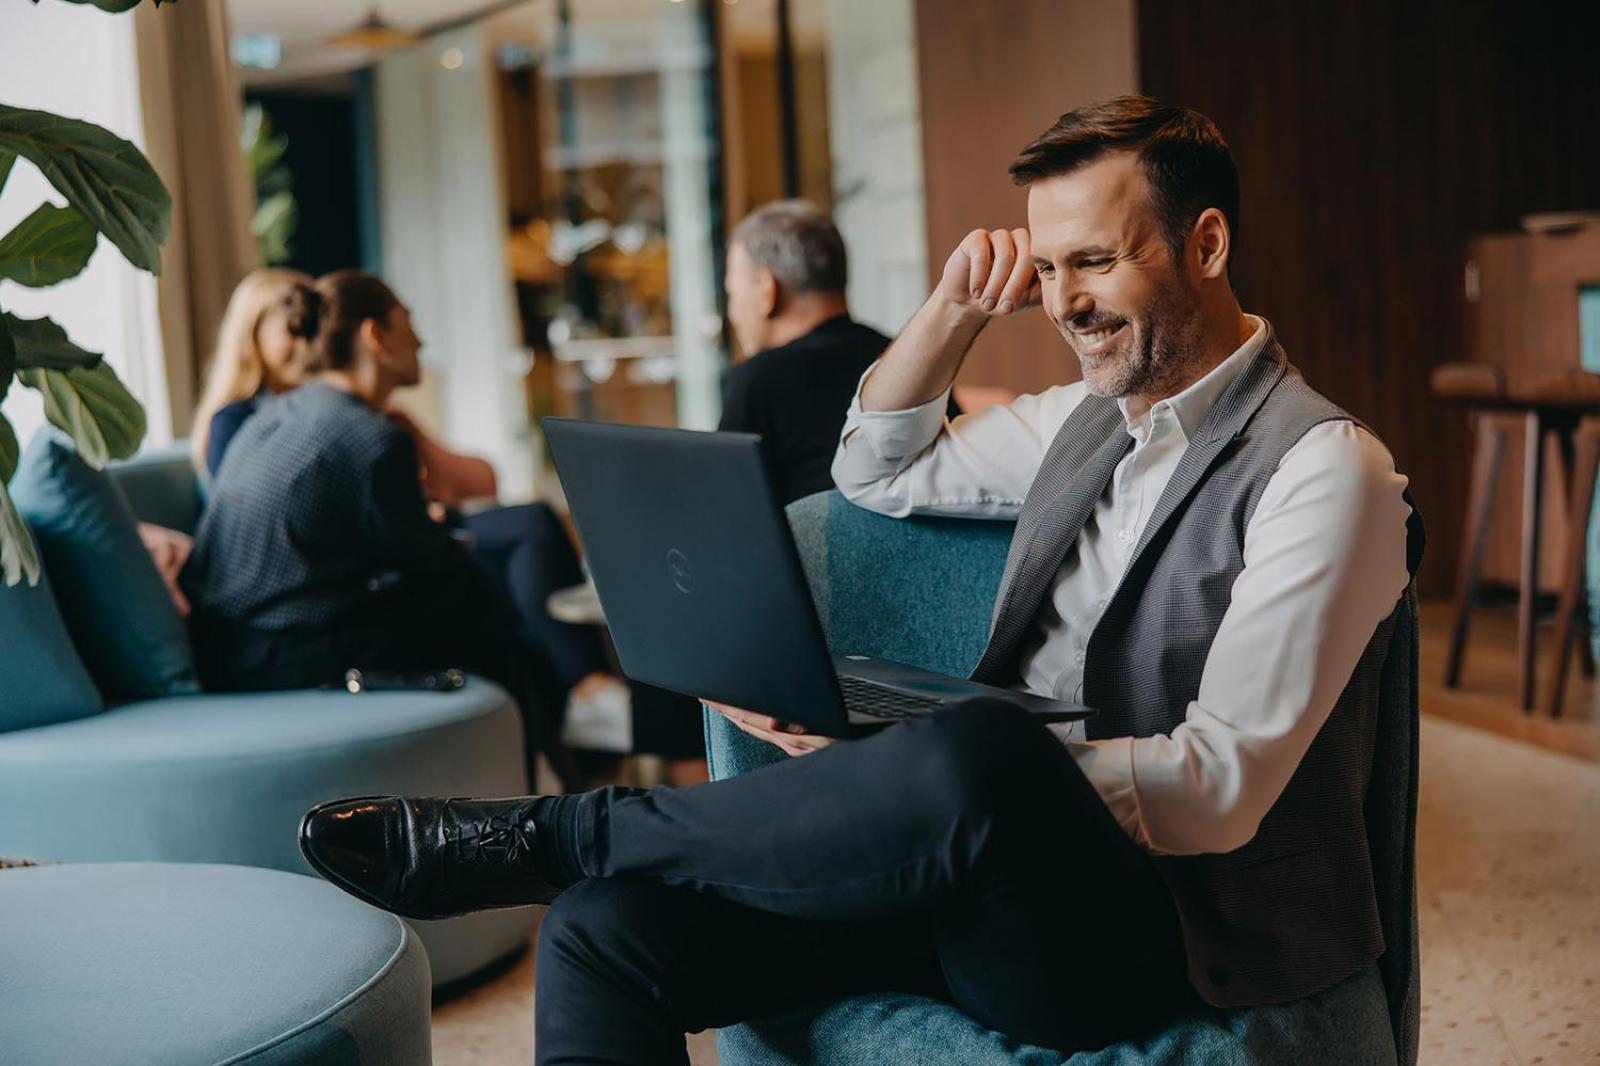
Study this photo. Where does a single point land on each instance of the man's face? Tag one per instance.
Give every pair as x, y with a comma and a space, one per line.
749, 299
1108, 280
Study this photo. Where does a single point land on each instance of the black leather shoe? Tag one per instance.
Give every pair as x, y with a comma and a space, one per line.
427, 858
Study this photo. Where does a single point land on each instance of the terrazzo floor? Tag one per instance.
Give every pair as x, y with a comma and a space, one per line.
1509, 875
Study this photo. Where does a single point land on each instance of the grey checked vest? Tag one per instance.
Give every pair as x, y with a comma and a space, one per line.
1294, 910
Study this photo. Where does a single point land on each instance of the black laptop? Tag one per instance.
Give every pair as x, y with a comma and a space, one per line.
703, 590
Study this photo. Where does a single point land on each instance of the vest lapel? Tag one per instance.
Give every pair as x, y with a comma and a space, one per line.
1073, 475
1223, 424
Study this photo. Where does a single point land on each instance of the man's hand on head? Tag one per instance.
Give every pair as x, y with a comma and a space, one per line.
793, 739
991, 271
989, 275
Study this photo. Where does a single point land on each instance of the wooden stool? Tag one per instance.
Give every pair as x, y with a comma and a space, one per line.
1484, 389
1552, 402
1577, 392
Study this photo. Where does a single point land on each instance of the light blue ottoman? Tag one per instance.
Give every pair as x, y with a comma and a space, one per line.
170, 964
226, 778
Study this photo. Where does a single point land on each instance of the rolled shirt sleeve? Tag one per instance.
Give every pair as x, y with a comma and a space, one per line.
979, 465
1324, 564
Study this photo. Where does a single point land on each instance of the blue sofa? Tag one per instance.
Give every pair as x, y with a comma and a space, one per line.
225, 778
169, 964
921, 591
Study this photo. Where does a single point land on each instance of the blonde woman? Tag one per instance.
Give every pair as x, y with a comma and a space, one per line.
255, 354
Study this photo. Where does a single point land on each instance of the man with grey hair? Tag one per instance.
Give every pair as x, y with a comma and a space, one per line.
786, 280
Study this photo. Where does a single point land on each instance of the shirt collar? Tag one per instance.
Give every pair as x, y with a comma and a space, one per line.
1191, 406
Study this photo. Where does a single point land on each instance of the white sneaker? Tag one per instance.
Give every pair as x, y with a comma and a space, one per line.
602, 720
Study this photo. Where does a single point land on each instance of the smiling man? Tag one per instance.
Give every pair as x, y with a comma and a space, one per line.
1207, 551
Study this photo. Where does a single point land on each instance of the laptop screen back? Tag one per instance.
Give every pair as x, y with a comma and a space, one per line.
695, 565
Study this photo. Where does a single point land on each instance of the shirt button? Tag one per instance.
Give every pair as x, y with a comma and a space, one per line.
1102, 604
1078, 658
1124, 536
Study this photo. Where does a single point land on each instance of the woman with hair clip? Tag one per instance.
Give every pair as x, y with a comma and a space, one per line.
316, 552
524, 547
258, 356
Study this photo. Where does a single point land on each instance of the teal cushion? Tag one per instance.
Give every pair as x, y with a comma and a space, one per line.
115, 604
42, 679
1347, 1025
162, 487
169, 963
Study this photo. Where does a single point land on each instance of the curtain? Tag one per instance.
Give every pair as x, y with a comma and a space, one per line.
192, 104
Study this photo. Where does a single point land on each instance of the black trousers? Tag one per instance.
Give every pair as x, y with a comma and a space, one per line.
529, 555
963, 857
467, 623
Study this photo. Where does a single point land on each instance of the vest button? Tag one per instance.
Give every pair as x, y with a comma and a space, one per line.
1219, 975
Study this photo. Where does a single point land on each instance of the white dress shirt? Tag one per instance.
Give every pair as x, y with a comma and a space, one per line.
1324, 564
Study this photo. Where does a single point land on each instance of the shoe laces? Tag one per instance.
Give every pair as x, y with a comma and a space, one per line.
498, 839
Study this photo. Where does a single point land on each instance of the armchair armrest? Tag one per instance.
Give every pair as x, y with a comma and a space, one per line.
730, 752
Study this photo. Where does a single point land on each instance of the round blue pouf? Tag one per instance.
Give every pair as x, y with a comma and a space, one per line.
179, 963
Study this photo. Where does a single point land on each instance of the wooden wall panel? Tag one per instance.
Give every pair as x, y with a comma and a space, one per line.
993, 76
1373, 140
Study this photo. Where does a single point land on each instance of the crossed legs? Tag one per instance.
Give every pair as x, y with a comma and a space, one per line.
963, 856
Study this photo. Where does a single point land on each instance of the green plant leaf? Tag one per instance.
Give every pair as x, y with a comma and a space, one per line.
8, 357
6, 159
10, 450
100, 174
19, 557
49, 246
93, 407
41, 343
114, 6
273, 224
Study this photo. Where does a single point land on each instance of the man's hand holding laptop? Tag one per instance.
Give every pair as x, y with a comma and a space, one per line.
791, 738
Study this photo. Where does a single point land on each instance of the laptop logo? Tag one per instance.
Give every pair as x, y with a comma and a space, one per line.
678, 570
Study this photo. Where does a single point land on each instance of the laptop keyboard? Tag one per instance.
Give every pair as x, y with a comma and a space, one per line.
876, 701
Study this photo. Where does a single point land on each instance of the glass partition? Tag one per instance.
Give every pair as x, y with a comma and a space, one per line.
609, 137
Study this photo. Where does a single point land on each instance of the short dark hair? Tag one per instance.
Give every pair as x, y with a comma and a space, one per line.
798, 242
1185, 160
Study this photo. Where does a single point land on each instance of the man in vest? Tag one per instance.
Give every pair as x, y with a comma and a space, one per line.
1207, 551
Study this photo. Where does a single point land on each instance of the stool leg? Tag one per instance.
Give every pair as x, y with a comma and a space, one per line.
1585, 466
1585, 633
1489, 454
1528, 594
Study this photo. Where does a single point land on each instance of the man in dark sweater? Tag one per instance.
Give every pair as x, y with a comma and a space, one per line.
786, 280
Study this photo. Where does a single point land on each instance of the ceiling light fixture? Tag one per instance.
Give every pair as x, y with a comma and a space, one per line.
375, 35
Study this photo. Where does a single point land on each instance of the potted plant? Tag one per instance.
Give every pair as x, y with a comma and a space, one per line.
111, 190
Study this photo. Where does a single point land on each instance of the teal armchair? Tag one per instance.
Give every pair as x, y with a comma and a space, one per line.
921, 591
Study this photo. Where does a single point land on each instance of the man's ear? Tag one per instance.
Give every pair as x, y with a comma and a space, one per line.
767, 292
1211, 243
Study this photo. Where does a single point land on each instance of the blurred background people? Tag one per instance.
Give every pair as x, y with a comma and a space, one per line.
786, 278
316, 552
255, 356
